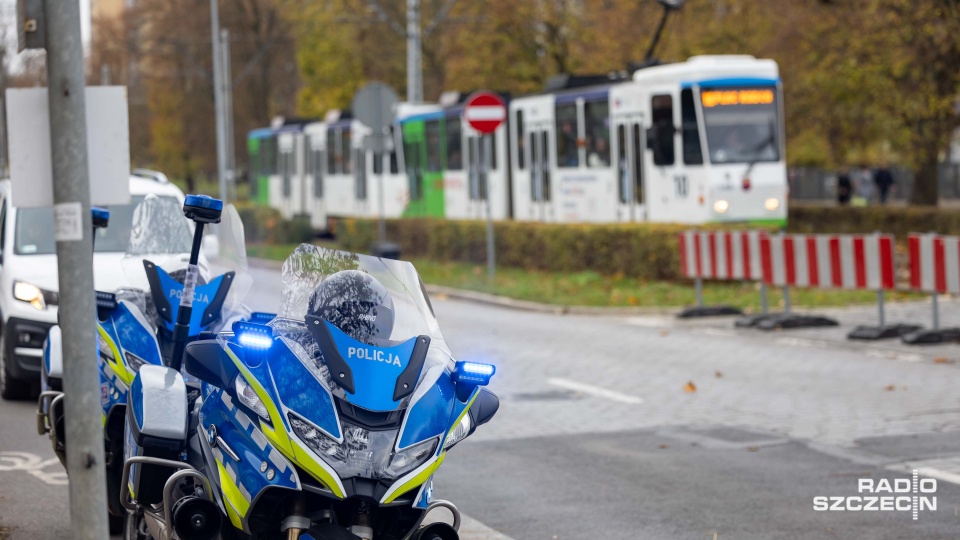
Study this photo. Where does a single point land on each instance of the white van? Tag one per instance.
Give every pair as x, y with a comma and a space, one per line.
28, 276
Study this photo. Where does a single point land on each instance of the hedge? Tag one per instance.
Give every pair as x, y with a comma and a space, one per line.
262, 224
649, 251
899, 221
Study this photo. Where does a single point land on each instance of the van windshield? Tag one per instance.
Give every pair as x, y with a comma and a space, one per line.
34, 229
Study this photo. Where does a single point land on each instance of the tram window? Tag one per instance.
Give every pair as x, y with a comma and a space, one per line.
568, 155
394, 165
454, 144
317, 166
411, 154
378, 163
360, 188
534, 169
286, 162
638, 163
692, 153
597, 115
331, 152
432, 129
346, 151
269, 159
623, 170
521, 164
663, 151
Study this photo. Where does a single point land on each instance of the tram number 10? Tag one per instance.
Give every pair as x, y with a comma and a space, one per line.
681, 184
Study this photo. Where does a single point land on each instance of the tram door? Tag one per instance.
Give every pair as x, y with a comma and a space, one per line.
631, 196
360, 181
476, 188
541, 188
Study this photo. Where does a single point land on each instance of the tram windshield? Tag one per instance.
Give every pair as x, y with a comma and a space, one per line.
742, 124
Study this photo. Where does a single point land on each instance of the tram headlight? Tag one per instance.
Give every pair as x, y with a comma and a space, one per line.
721, 206
772, 204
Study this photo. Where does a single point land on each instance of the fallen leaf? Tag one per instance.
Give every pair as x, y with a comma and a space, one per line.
664, 446
942, 360
752, 448
890, 388
690, 387
440, 296
664, 333
718, 374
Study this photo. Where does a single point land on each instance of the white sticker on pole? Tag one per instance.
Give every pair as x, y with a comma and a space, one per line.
189, 286
68, 222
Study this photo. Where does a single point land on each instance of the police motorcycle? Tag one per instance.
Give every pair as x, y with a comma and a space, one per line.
326, 423
134, 324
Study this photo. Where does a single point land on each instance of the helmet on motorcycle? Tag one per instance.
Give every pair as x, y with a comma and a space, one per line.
356, 303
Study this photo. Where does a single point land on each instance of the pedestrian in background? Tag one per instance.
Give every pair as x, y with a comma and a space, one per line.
864, 187
844, 187
884, 180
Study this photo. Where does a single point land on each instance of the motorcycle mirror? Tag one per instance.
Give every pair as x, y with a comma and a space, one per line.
484, 407
207, 361
202, 208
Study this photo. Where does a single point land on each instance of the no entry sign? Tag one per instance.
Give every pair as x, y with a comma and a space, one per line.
485, 111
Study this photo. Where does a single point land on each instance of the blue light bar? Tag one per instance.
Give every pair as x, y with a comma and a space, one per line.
473, 373
252, 335
261, 317
203, 201
99, 213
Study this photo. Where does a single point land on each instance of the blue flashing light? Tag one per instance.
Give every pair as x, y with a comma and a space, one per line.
252, 335
261, 317
203, 201
99, 213
473, 373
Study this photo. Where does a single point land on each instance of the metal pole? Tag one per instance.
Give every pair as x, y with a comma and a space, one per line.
105, 75
764, 305
936, 311
485, 177
883, 321
414, 59
71, 195
218, 104
227, 80
786, 299
383, 222
699, 286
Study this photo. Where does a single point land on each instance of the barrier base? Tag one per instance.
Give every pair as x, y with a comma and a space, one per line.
708, 311
751, 321
926, 337
882, 332
786, 321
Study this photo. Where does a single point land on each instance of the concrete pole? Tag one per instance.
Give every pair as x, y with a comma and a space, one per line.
228, 113
485, 178
71, 195
218, 104
414, 58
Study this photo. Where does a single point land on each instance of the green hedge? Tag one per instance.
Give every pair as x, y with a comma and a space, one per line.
899, 221
646, 252
265, 225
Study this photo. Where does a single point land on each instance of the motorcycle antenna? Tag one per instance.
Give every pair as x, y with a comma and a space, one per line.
668, 7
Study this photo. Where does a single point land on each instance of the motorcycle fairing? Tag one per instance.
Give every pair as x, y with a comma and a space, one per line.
301, 390
124, 331
373, 371
241, 481
207, 299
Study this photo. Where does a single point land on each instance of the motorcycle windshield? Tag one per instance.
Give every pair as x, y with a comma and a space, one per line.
375, 358
157, 258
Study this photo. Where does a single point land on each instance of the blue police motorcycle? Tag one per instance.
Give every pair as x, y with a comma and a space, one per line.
326, 423
134, 324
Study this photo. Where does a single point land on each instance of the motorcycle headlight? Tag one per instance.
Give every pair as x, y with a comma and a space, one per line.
105, 351
33, 295
250, 399
134, 362
364, 453
459, 433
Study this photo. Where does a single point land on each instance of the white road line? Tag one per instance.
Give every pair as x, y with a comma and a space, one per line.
470, 529
595, 391
945, 469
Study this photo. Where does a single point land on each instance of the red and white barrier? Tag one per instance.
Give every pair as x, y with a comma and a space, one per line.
934, 263
829, 261
728, 255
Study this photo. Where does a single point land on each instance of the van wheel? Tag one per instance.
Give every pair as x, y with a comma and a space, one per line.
11, 389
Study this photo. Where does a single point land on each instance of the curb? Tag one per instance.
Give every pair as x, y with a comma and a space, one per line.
439, 291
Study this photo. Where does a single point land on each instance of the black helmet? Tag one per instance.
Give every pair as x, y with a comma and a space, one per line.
356, 303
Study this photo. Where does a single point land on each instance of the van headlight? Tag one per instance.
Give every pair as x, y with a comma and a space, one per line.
33, 295
721, 206
772, 204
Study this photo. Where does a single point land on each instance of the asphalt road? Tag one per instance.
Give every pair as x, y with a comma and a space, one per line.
642, 427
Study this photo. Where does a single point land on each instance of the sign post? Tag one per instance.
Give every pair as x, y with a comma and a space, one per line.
485, 112
72, 225
374, 107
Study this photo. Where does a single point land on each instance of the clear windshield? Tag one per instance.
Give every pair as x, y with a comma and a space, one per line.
34, 229
160, 233
741, 124
307, 267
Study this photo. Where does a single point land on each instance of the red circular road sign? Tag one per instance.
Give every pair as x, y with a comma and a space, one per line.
485, 111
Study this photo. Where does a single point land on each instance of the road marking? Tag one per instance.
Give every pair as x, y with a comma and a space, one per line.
33, 465
471, 529
595, 391
945, 469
